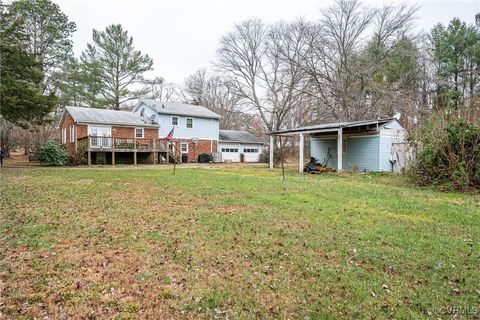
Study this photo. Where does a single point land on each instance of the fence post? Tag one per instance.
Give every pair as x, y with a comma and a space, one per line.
135, 151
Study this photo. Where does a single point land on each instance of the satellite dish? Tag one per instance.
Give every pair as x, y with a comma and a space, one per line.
152, 119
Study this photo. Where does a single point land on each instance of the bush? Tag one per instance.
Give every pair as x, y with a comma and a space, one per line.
448, 152
53, 153
77, 158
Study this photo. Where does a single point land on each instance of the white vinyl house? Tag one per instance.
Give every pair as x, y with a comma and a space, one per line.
239, 146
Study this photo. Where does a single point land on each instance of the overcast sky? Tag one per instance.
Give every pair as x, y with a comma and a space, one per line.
182, 36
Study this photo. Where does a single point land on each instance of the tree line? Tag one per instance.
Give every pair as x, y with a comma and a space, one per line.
354, 62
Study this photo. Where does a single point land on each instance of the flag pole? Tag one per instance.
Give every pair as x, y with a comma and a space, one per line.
174, 157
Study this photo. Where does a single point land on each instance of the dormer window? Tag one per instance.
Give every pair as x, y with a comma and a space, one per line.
174, 121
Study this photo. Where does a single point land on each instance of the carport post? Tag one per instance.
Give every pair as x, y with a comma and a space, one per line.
339, 149
271, 153
300, 160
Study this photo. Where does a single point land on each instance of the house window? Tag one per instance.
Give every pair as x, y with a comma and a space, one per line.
64, 135
174, 121
138, 132
72, 134
184, 147
189, 123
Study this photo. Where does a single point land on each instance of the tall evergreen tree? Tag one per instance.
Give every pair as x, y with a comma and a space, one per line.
114, 66
49, 32
456, 54
21, 102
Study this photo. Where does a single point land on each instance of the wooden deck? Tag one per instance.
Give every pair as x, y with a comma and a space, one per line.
134, 145
109, 144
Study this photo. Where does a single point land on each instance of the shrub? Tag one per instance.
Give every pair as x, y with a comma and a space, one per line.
53, 153
77, 158
448, 152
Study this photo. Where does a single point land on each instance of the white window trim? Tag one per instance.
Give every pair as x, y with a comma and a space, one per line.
99, 126
143, 133
183, 144
186, 123
178, 121
72, 134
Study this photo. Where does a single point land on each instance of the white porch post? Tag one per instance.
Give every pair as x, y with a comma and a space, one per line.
271, 153
339, 149
301, 157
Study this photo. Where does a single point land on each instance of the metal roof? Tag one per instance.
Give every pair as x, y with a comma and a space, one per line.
238, 136
110, 117
334, 126
181, 109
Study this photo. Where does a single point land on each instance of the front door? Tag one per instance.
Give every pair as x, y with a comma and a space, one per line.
100, 136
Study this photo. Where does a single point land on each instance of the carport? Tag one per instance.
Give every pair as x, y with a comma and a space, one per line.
337, 130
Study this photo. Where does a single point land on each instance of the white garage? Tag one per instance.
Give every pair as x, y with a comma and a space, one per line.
239, 146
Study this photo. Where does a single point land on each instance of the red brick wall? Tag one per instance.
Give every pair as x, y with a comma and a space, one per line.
201, 146
67, 121
123, 132
150, 133
82, 131
129, 132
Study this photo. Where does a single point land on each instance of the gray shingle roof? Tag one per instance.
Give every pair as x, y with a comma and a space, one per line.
181, 109
238, 136
336, 125
110, 117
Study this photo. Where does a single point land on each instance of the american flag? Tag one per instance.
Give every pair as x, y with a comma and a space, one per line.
170, 135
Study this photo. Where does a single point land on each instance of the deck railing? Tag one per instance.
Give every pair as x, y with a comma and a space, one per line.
97, 142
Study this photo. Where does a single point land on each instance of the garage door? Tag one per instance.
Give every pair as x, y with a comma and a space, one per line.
230, 152
251, 152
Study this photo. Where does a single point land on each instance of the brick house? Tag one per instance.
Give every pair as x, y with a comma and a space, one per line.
109, 136
196, 128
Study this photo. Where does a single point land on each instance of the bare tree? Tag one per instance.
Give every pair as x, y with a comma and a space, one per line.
35, 137
345, 59
268, 86
160, 89
9, 136
213, 92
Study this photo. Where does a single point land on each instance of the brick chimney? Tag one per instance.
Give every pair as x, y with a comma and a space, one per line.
195, 102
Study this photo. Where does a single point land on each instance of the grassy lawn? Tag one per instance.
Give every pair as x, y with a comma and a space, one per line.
231, 243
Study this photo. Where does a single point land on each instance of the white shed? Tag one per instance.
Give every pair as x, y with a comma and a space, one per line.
239, 146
